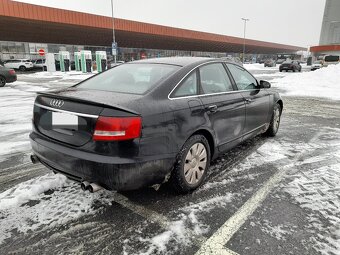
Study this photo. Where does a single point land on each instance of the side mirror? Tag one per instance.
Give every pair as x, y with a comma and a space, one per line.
264, 84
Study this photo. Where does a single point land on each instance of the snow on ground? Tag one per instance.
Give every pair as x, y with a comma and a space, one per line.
187, 226
324, 82
189, 222
315, 189
75, 75
45, 202
32, 205
257, 66
16, 106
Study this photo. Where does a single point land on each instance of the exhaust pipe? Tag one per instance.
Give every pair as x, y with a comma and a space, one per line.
34, 159
94, 187
85, 185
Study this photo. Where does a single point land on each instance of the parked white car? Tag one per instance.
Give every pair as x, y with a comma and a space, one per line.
316, 65
21, 64
40, 64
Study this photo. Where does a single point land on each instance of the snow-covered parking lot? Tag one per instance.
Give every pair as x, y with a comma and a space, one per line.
268, 196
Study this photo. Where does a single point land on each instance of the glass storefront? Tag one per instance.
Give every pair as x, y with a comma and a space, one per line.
17, 50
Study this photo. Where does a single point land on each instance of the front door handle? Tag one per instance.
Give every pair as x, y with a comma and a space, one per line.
248, 100
212, 108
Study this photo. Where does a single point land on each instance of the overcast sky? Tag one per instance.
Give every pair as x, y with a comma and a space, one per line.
294, 22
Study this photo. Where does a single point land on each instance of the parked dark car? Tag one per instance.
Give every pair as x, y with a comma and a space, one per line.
269, 63
7, 76
290, 66
142, 122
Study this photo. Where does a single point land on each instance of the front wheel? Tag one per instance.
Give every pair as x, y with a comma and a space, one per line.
2, 81
191, 164
275, 121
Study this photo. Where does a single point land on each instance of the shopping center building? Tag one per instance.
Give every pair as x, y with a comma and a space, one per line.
330, 32
27, 28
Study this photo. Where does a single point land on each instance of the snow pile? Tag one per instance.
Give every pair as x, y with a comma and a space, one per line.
324, 82
63, 75
257, 66
30, 190
45, 202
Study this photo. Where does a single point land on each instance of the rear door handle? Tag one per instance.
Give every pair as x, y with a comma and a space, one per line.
212, 108
248, 100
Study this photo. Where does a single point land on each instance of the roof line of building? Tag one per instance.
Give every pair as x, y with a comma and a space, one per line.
48, 14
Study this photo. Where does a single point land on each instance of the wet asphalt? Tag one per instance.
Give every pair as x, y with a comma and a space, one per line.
125, 223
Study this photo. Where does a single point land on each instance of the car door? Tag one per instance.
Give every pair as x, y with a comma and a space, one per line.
224, 107
16, 64
9, 64
256, 99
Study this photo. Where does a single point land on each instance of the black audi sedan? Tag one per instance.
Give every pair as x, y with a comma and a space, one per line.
150, 121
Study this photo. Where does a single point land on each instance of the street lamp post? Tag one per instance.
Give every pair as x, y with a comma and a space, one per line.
244, 38
113, 33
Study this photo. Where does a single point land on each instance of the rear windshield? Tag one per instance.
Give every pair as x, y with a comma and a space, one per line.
331, 58
130, 78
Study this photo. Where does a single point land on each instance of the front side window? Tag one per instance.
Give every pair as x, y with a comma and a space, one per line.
188, 87
214, 79
243, 79
130, 78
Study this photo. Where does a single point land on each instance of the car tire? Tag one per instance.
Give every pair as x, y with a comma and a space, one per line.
22, 68
275, 121
191, 164
2, 81
280, 71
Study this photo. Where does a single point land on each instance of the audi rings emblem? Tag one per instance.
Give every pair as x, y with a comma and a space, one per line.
56, 103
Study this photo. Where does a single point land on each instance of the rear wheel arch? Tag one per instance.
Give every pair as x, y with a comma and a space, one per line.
207, 134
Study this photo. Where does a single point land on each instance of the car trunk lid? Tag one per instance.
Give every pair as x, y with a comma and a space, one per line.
70, 116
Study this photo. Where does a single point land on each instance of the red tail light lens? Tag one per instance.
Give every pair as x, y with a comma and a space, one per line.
11, 72
117, 128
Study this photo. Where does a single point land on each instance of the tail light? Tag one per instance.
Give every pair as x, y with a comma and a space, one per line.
11, 72
117, 128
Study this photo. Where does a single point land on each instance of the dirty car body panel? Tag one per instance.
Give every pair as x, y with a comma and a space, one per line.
167, 121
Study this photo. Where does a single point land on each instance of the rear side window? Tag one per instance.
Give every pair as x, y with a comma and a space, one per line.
188, 87
214, 79
243, 79
331, 58
130, 78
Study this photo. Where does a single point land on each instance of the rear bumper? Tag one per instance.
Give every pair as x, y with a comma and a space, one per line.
111, 172
11, 78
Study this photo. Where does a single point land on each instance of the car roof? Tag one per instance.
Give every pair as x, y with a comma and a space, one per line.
180, 61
